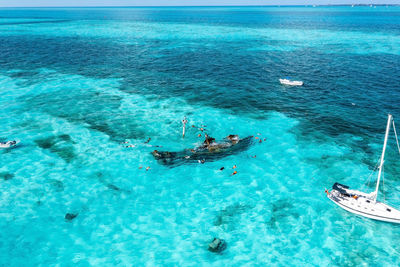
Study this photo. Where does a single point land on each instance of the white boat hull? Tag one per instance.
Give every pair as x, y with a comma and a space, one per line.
291, 83
8, 144
363, 206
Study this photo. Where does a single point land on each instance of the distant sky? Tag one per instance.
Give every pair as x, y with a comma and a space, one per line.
55, 3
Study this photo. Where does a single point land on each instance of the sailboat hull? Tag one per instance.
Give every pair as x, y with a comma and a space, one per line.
361, 205
364, 204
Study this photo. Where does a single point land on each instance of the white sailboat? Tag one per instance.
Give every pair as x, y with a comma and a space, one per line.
366, 204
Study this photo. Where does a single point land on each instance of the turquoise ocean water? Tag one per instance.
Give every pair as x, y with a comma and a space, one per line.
76, 83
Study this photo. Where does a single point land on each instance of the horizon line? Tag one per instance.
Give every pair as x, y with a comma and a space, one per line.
110, 6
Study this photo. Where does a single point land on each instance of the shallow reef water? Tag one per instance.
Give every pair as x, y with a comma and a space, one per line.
83, 90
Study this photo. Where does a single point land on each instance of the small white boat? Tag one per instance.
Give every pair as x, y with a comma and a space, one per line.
366, 204
8, 144
290, 82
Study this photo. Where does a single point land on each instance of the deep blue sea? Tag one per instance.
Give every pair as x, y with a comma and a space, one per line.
78, 86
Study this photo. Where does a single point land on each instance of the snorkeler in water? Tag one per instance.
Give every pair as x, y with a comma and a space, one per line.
184, 121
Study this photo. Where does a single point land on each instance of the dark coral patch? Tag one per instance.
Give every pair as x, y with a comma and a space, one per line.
70, 216
57, 185
98, 111
60, 145
113, 187
6, 175
46, 143
227, 215
282, 212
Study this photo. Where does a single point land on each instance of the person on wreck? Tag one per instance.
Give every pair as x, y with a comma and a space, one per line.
211, 145
156, 154
233, 138
208, 141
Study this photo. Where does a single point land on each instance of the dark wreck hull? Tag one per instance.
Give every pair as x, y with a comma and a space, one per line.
188, 156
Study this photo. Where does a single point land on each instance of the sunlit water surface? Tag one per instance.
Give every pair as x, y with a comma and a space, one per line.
77, 83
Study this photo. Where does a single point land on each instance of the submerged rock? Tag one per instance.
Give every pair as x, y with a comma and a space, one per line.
66, 138
57, 185
282, 213
113, 187
70, 216
6, 175
230, 214
62, 145
217, 245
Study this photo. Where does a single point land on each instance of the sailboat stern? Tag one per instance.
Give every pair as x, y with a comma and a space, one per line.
362, 204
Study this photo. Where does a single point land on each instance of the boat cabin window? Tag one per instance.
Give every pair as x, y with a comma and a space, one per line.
389, 210
368, 201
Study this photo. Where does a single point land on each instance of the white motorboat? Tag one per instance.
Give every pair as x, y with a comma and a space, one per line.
290, 82
8, 144
366, 204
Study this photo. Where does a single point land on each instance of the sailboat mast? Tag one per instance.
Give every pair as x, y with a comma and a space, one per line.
383, 155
